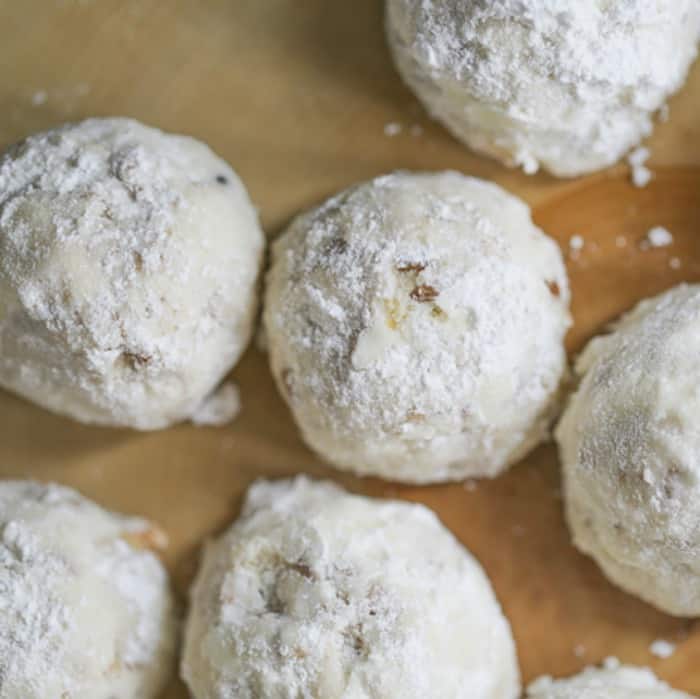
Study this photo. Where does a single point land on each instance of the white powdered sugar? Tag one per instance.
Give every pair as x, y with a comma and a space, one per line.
86, 609
662, 648
659, 237
34, 618
128, 263
314, 592
568, 85
641, 174
629, 444
415, 327
612, 681
392, 129
576, 245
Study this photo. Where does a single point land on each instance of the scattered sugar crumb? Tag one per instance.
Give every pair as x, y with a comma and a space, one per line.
659, 237
579, 650
638, 156
39, 98
469, 485
641, 175
416, 130
611, 663
518, 530
674, 263
218, 409
621, 241
63, 97
664, 113
393, 129
576, 242
662, 649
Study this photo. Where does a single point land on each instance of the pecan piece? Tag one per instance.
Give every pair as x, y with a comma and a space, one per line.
424, 293
553, 287
411, 267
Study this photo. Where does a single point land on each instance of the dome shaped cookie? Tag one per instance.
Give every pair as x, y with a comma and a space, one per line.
86, 608
128, 267
415, 326
316, 592
570, 86
629, 445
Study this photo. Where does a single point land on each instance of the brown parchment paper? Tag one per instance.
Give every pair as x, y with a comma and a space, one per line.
296, 94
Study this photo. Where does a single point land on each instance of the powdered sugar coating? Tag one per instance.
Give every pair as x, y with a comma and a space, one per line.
128, 264
614, 682
314, 592
629, 445
86, 609
565, 84
415, 327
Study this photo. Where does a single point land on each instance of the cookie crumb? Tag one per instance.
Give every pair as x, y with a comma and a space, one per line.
579, 650
470, 485
611, 663
674, 263
40, 97
659, 237
621, 241
576, 242
392, 129
662, 649
641, 174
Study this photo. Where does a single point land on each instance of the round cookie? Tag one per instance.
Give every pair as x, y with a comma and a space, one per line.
86, 608
128, 268
316, 592
567, 85
415, 326
629, 445
612, 681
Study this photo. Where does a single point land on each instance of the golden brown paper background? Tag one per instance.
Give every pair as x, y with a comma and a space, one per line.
296, 94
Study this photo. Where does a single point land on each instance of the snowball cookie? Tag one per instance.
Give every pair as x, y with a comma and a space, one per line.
85, 606
568, 85
415, 327
613, 681
317, 593
630, 447
128, 265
